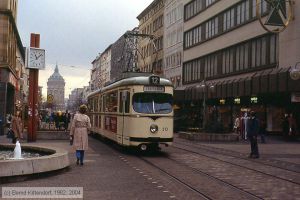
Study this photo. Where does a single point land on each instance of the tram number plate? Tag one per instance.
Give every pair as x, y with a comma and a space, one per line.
154, 89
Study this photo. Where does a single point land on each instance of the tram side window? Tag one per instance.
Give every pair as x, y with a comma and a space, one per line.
127, 102
100, 103
96, 104
111, 102
91, 105
124, 96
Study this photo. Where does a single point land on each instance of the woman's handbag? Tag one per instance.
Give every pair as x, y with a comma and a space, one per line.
10, 134
71, 139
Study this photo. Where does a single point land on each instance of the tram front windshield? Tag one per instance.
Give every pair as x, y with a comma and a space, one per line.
152, 103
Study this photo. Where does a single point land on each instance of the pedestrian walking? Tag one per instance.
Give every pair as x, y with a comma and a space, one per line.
252, 133
236, 127
292, 127
66, 118
16, 127
79, 133
285, 126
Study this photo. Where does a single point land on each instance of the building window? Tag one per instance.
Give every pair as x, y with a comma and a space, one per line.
239, 14
256, 53
211, 28
228, 19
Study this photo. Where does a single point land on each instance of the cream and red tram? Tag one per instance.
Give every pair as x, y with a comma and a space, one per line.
135, 111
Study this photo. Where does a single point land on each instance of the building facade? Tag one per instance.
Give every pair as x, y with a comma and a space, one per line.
75, 99
150, 51
232, 65
173, 43
12, 59
105, 67
56, 88
95, 73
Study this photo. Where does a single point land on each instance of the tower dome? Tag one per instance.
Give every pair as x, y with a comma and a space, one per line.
56, 75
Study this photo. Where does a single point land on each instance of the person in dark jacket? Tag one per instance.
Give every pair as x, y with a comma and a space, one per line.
252, 133
285, 126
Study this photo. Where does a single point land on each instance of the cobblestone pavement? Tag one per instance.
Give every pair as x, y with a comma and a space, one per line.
188, 170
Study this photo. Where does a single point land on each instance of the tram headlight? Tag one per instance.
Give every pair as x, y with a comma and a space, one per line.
153, 128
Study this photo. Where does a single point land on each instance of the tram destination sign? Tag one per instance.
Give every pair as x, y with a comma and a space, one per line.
154, 88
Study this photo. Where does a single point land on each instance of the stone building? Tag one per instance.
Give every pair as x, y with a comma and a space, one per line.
151, 22
105, 67
12, 62
95, 74
56, 88
76, 99
231, 64
173, 44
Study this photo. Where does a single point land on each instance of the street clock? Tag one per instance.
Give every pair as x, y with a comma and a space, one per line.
36, 58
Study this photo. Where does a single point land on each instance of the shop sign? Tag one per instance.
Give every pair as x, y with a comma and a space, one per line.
254, 100
295, 97
245, 109
237, 101
222, 101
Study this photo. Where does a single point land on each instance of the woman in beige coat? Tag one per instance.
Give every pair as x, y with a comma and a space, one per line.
79, 133
16, 127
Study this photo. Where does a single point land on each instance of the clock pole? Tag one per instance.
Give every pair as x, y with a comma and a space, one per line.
33, 94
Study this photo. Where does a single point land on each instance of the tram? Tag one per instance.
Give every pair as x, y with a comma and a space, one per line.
134, 112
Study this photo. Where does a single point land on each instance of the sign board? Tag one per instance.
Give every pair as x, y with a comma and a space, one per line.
154, 89
154, 80
50, 98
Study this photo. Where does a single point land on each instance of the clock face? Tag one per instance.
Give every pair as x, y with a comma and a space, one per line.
36, 58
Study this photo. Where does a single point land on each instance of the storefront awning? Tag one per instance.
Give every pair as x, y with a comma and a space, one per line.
263, 82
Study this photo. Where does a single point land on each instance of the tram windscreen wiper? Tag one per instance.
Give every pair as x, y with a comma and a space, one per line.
153, 106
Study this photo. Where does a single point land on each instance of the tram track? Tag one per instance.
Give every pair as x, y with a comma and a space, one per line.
204, 196
292, 173
240, 176
189, 170
295, 169
233, 188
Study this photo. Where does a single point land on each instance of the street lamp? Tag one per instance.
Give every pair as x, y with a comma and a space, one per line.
203, 85
295, 72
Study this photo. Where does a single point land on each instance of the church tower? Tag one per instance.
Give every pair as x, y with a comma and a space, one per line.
56, 88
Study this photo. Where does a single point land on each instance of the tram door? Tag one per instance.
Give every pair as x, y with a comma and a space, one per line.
124, 110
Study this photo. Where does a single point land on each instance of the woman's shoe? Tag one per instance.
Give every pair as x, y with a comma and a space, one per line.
77, 162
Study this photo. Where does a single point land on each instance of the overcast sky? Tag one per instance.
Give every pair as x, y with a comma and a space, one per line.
73, 32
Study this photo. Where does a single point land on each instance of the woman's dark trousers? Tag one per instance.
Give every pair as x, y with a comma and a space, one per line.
80, 156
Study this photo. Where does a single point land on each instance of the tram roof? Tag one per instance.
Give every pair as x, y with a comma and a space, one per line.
140, 80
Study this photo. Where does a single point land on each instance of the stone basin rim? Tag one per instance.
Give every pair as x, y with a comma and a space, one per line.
59, 159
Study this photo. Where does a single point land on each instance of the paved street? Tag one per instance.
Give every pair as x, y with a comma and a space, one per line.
188, 170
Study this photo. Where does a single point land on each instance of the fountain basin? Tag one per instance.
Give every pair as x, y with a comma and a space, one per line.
50, 160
